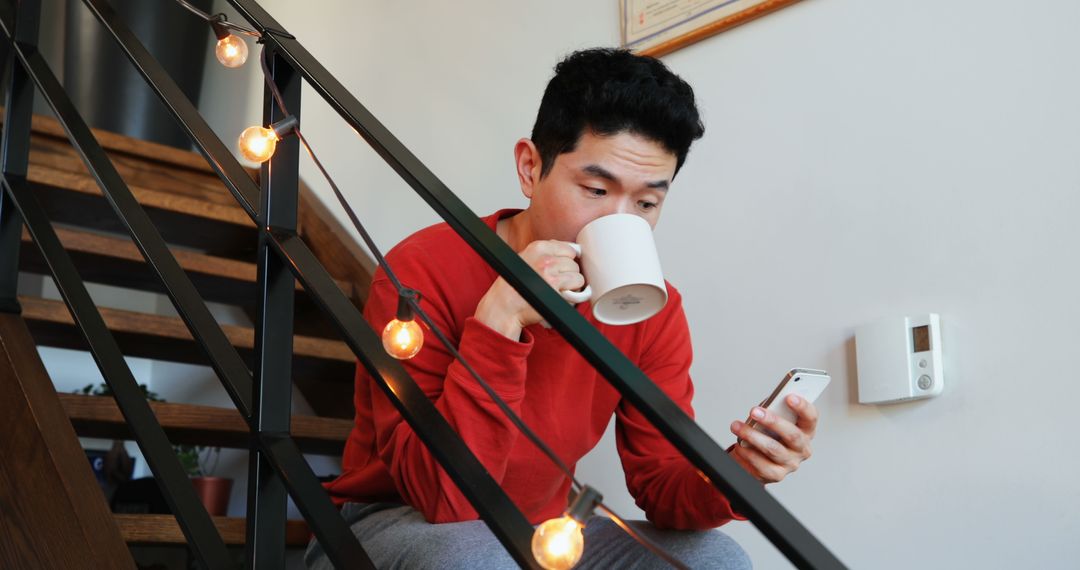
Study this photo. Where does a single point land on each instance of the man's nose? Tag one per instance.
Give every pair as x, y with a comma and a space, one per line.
622, 207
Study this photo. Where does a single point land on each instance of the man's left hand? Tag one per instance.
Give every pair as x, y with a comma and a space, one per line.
770, 459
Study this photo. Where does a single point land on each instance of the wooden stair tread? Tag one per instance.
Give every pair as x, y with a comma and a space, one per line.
99, 416
56, 312
177, 188
174, 184
192, 209
110, 141
57, 153
84, 183
73, 198
163, 529
322, 369
107, 246
114, 260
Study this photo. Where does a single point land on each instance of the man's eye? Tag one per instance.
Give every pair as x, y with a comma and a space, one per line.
596, 191
647, 205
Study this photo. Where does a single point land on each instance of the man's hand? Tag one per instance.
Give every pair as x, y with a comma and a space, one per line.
505, 311
768, 459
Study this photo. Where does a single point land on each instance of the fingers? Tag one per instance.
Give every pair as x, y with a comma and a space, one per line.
807, 414
555, 262
769, 447
768, 458
757, 464
550, 247
791, 436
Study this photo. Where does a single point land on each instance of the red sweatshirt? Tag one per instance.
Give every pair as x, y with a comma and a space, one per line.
543, 379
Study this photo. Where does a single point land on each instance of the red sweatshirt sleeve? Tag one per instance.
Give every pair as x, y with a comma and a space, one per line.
419, 479
664, 483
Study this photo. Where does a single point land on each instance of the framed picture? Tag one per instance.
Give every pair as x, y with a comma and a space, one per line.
658, 27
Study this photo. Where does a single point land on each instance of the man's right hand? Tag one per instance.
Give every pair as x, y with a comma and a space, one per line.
505, 311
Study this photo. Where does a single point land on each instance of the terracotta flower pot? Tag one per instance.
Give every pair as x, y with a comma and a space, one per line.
214, 493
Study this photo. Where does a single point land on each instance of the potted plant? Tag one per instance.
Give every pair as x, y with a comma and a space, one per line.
198, 461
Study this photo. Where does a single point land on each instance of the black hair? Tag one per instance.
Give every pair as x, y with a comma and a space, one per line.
610, 91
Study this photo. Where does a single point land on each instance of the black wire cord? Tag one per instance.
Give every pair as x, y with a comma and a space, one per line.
223, 20
415, 305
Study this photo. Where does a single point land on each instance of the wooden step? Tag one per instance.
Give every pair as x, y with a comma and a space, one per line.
99, 416
102, 258
171, 183
75, 198
323, 369
141, 163
111, 260
176, 187
163, 529
122, 145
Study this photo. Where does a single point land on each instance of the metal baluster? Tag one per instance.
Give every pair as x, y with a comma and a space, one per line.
15, 150
272, 398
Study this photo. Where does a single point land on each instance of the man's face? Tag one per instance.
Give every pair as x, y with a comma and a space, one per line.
621, 173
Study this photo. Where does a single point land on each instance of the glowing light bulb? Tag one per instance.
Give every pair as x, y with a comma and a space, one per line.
558, 543
231, 51
402, 339
257, 144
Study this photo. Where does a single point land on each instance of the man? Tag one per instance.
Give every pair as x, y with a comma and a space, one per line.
612, 131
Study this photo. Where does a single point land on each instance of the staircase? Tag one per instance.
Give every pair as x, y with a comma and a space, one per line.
214, 242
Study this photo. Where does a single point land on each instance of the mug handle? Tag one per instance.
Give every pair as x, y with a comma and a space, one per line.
577, 296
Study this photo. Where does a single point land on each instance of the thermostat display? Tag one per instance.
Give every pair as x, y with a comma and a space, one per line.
899, 359
920, 337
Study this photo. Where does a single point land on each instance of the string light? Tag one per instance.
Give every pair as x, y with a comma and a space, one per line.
558, 543
257, 144
231, 50
402, 338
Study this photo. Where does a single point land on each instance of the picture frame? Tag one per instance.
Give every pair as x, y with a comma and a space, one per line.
659, 27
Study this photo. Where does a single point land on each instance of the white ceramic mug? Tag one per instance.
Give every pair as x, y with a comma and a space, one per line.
622, 270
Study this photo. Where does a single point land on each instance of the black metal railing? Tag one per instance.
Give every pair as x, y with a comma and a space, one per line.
277, 467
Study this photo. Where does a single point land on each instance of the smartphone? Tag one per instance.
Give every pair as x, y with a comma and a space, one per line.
804, 382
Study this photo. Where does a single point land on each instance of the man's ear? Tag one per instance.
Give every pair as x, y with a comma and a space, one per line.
527, 160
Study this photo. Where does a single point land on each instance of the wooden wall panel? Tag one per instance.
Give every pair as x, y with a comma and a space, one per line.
52, 512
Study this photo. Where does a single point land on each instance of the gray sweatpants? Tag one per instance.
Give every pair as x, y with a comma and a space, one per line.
398, 537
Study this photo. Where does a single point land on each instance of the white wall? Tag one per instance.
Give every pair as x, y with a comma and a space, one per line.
863, 159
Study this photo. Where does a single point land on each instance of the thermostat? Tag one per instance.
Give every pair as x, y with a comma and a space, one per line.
899, 359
